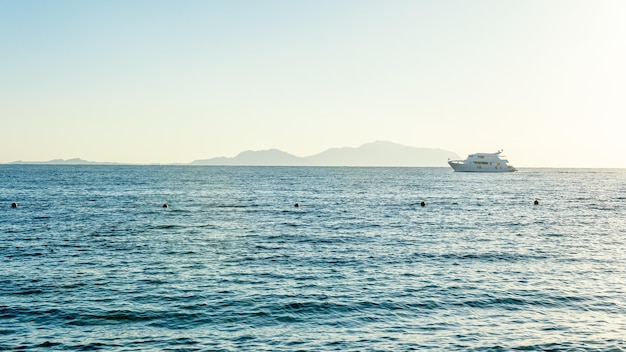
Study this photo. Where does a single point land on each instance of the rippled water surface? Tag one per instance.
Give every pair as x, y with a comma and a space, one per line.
91, 260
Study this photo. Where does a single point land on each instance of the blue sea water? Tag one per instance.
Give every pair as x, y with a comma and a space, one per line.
90, 260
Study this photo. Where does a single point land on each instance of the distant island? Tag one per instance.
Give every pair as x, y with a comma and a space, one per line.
372, 154
74, 161
379, 153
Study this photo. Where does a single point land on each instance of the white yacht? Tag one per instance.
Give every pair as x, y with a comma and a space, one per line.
482, 162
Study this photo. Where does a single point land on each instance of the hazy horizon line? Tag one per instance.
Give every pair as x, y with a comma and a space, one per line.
80, 161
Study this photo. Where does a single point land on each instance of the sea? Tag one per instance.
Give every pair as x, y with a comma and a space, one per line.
311, 259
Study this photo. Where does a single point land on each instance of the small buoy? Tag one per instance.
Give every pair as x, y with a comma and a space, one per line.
296, 205
14, 205
536, 202
423, 204
164, 205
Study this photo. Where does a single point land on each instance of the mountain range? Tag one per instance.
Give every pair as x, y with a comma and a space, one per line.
372, 154
379, 153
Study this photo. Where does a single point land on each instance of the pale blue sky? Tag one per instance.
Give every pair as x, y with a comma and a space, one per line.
148, 81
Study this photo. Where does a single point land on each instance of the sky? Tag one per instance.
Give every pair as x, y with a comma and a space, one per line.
153, 81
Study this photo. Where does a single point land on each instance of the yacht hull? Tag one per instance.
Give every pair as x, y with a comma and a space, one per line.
461, 167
